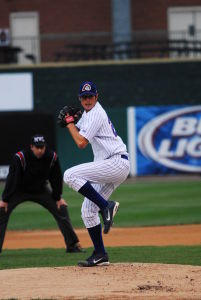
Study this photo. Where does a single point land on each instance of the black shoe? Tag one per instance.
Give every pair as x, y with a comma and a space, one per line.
75, 249
96, 259
108, 214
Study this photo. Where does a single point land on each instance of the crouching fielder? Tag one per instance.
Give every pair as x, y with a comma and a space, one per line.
95, 180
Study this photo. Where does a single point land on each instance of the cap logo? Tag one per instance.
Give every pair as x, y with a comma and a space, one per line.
39, 139
86, 87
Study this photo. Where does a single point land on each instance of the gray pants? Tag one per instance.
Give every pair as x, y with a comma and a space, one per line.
46, 200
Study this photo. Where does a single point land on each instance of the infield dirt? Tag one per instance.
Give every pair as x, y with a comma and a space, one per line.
142, 236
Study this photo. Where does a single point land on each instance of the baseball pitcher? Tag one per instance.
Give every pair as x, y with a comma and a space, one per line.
95, 180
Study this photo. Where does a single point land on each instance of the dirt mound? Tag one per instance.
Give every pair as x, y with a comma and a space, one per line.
117, 281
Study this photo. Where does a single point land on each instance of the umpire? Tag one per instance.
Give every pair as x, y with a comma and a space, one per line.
29, 173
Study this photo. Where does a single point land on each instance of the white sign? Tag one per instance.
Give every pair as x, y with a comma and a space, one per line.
16, 92
4, 172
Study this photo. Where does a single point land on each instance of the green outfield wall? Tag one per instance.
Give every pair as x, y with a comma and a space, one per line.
120, 84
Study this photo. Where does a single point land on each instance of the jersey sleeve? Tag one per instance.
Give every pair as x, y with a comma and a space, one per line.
91, 126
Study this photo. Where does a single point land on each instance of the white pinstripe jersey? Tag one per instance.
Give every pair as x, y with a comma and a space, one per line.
97, 128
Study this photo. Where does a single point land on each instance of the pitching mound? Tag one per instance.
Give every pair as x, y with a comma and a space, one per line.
117, 281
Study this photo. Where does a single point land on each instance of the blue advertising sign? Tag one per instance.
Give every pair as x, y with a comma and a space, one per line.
167, 139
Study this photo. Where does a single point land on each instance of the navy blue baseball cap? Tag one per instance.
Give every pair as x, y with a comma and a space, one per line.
87, 88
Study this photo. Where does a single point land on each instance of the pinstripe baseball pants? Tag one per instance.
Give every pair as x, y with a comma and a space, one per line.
104, 175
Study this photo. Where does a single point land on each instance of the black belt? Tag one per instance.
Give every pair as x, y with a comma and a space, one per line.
124, 156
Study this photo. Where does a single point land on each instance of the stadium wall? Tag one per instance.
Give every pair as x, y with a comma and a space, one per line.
120, 84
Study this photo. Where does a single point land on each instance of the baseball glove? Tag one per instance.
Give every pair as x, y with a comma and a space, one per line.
69, 114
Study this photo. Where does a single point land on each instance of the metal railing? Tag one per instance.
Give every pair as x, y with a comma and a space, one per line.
139, 49
88, 46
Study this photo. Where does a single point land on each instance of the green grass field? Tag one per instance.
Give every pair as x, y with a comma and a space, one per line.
27, 258
141, 204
